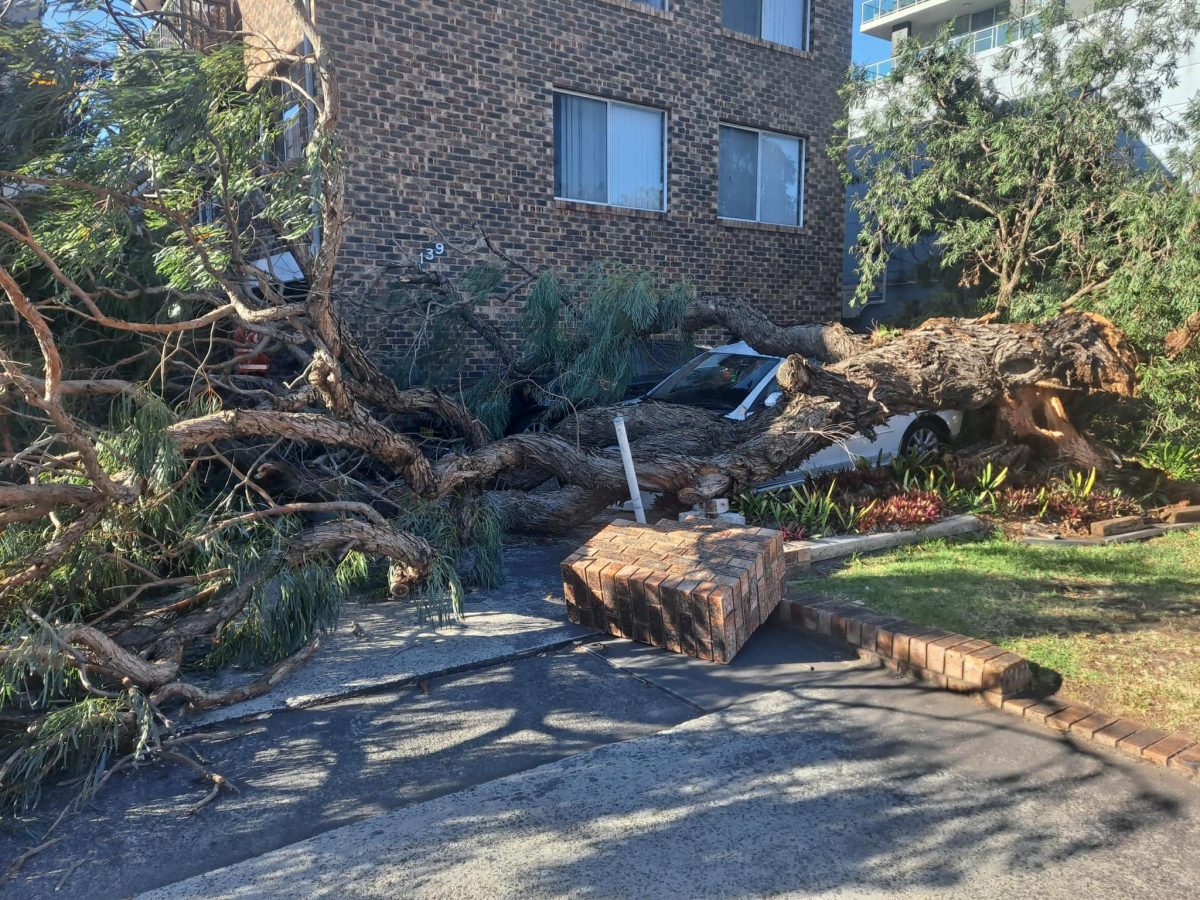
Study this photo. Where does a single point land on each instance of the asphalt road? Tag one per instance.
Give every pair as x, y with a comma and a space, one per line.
301, 773
849, 783
429, 763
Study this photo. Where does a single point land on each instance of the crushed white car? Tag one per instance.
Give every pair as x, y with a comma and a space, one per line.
738, 382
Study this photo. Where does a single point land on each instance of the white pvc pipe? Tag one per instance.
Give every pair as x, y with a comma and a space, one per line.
630, 475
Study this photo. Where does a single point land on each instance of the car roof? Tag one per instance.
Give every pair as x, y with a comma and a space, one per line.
742, 348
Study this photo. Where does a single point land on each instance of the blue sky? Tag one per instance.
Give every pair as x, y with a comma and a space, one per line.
867, 49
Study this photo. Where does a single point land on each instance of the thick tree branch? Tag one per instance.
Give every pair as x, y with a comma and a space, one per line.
1183, 336
397, 451
828, 343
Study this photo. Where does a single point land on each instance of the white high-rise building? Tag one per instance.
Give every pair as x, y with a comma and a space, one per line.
982, 25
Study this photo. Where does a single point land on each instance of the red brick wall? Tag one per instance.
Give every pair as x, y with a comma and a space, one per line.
448, 119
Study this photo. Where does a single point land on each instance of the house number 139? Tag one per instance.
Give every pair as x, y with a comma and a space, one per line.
430, 253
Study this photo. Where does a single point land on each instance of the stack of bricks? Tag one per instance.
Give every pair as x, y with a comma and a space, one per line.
696, 589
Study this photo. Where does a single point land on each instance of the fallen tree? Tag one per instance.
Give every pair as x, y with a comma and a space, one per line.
163, 509
1019, 178
947, 364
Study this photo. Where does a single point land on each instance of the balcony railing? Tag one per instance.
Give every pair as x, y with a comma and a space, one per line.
873, 9
876, 70
998, 35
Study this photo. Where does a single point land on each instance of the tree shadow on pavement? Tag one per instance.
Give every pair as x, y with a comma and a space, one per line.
830, 786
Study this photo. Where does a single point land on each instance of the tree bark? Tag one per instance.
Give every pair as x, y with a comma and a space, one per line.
693, 430
1037, 415
828, 343
412, 555
550, 512
1183, 336
372, 438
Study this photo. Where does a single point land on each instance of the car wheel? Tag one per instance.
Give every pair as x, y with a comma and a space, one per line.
926, 435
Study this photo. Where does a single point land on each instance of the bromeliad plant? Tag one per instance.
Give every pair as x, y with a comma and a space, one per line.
987, 487
915, 491
911, 509
804, 511
1077, 486
1074, 501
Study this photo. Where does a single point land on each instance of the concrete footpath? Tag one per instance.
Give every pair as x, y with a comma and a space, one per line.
524, 615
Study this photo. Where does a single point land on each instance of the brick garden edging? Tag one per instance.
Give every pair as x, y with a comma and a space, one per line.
801, 554
1177, 752
959, 663
955, 662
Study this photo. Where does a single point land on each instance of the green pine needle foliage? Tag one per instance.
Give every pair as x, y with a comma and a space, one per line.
587, 332
473, 560
283, 614
581, 337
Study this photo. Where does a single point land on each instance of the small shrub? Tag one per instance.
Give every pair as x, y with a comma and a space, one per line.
1065, 503
1174, 459
901, 512
916, 491
987, 486
850, 517
1022, 502
812, 509
1076, 485
912, 467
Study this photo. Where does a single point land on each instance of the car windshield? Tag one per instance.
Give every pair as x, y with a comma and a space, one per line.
717, 381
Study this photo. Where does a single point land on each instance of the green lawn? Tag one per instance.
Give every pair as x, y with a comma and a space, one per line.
1119, 625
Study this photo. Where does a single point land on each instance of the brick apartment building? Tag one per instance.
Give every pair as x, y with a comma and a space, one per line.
683, 136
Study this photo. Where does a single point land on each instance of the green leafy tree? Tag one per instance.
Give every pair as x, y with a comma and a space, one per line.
1033, 181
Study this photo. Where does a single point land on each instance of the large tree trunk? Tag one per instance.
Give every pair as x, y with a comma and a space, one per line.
689, 429
1037, 416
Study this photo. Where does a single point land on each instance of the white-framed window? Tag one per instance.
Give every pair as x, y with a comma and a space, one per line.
609, 152
779, 21
761, 176
654, 4
207, 212
878, 297
294, 84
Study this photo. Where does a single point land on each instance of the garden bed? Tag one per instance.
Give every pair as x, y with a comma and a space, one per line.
915, 492
1115, 627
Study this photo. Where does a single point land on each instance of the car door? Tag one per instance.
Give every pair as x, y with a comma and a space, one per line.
879, 451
